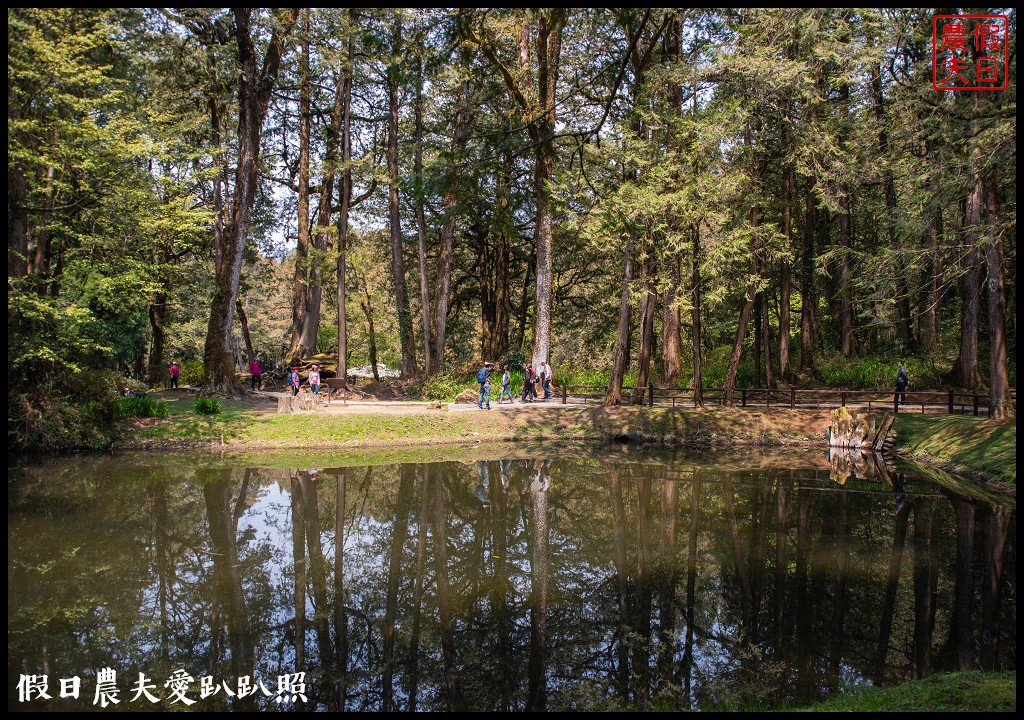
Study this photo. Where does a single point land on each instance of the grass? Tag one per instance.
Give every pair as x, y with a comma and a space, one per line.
254, 425
971, 446
951, 692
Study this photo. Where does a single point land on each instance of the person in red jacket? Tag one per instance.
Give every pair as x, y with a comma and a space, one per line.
256, 374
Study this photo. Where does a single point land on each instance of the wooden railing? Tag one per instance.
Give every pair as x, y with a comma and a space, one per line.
943, 401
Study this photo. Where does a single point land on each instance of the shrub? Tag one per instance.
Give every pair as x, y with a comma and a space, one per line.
140, 406
206, 406
191, 373
38, 423
443, 386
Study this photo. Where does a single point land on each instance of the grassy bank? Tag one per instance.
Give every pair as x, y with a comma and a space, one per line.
255, 425
951, 692
975, 447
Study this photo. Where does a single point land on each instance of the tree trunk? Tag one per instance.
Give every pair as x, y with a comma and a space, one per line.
769, 373
931, 287
451, 196
757, 341
17, 221
300, 347
421, 223
254, 92
493, 259
737, 348
698, 381
788, 192
406, 339
344, 96
966, 372
244, 320
902, 295
847, 344
321, 235
646, 332
157, 312
1001, 407
614, 396
807, 291
671, 340
549, 47
367, 304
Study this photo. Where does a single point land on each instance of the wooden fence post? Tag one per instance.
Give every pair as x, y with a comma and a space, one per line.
743, 397
650, 394
950, 402
975, 404
564, 393
842, 397
792, 397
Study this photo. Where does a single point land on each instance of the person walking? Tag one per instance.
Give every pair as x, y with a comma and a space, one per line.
314, 380
483, 377
294, 381
506, 386
173, 373
545, 379
902, 381
256, 374
529, 384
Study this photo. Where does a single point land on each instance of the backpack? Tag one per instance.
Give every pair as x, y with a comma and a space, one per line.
481, 376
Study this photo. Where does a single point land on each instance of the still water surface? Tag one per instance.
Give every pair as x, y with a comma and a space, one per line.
618, 578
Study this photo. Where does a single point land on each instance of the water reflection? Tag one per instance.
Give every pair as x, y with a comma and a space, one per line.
616, 580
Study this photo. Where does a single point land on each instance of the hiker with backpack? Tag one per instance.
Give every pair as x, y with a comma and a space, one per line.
483, 377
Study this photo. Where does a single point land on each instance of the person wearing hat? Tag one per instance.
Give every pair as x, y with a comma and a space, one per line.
294, 380
314, 380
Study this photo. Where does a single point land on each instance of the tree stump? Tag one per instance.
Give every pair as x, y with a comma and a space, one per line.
851, 431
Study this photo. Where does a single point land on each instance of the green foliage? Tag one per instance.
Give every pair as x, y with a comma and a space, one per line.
857, 374
714, 376
949, 692
141, 406
206, 406
444, 386
877, 373
50, 337
577, 375
191, 373
77, 411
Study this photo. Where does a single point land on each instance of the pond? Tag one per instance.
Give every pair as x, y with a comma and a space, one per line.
553, 579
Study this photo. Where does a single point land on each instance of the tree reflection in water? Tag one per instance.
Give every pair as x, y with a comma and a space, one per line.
626, 579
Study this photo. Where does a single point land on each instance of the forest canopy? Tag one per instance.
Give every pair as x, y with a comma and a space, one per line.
685, 197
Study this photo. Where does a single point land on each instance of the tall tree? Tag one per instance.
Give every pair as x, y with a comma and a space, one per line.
405, 332
534, 95
452, 184
255, 86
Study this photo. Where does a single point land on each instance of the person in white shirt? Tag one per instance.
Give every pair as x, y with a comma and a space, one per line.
545, 378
